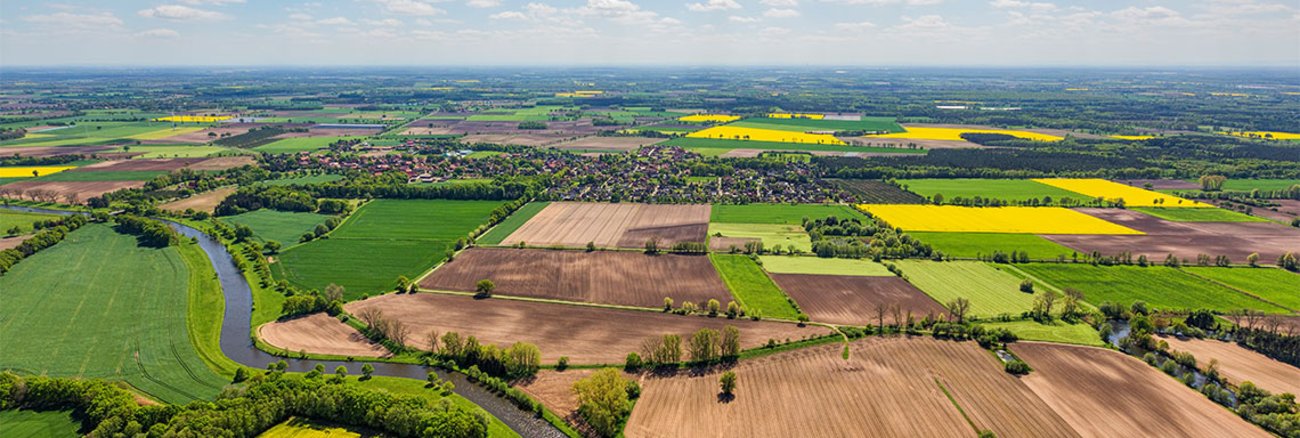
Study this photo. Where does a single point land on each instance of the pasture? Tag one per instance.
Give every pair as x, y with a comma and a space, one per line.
587, 335
1113, 191
607, 277
991, 292
881, 390
791, 214
88, 133
1238, 364
856, 300
1198, 214
382, 240
38, 424
1056, 331
772, 235
21, 219
281, 226
511, 224
1246, 185
975, 245
1131, 398
1276, 286
130, 326
821, 266
1013, 190
574, 224
1012, 220
753, 290
1159, 286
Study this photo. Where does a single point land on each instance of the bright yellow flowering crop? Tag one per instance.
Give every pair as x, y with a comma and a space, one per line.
26, 171
796, 116
1009, 220
1274, 135
954, 134
193, 119
719, 118
755, 134
1132, 196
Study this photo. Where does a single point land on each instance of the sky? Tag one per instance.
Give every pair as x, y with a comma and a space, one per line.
651, 32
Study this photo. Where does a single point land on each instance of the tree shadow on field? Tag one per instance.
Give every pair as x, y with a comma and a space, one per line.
725, 398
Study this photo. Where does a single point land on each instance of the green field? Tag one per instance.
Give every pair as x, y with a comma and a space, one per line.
535, 114
309, 179
751, 287
820, 266
1004, 189
1273, 285
21, 219
778, 213
772, 235
804, 125
298, 144
972, 245
103, 307
90, 133
1057, 331
119, 175
714, 143
300, 428
1159, 286
507, 227
382, 240
991, 292
1247, 185
1198, 214
281, 226
179, 151
38, 424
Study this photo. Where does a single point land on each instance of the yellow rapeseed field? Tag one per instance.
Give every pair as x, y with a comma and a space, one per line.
26, 171
165, 133
1133, 137
193, 119
954, 134
1275, 135
719, 118
1007, 220
754, 134
796, 116
1132, 196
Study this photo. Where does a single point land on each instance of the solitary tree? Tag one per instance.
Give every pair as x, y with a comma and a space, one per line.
1253, 259
728, 383
958, 309
484, 288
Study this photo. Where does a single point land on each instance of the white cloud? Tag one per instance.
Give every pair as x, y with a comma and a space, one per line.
71, 21
509, 15
409, 7
740, 19
300, 17
1149, 16
854, 27
1018, 4
780, 3
780, 13
925, 22
388, 22
887, 2
713, 5
483, 3
212, 2
181, 13
158, 33
336, 21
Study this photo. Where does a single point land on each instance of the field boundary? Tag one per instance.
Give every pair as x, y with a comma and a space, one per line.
1239, 290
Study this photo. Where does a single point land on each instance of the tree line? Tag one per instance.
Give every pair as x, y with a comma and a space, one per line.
52, 232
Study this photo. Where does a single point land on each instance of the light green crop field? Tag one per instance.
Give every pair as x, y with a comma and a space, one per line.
382, 240
1159, 286
298, 144
21, 219
539, 113
1247, 185
772, 235
1198, 215
751, 287
1276, 286
821, 266
792, 214
38, 424
90, 133
511, 224
309, 179
991, 292
1057, 331
103, 307
112, 175
1004, 189
281, 226
715, 143
804, 125
300, 428
972, 245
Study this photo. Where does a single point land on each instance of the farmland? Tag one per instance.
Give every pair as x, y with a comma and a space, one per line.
131, 326
1198, 215
573, 225
740, 133
857, 300
973, 245
299, 144
1014, 220
815, 265
296, 428
507, 227
877, 192
609, 277
1159, 286
382, 240
753, 290
38, 424
954, 134
881, 390
991, 292
1132, 196
704, 144
281, 226
1083, 384
319, 333
792, 214
1013, 190
31, 171
772, 235
206, 201
1273, 285
586, 335
802, 124
1055, 331
22, 220
1238, 364
708, 118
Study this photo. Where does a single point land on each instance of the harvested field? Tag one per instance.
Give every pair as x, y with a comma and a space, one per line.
1286, 211
609, 143
81, 190
741, 153
206, 201
1238, 364
882, 390
871, 191
1185, 239
49, 151
573, 224
12, 241
319, 333
223, 163
587, 335
1105, 393
849, 300
609, 277
725, 244
165, 165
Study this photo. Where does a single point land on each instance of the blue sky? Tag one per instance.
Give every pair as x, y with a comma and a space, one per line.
646, 32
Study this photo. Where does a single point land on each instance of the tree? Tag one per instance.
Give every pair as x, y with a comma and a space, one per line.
714, 307
403, 284
272, 247
1070, 303
603, 400
652, 246
241, 374
633, 362
958, 309
730, 343
341, 373
1043, 302
484, 288
1288, 261
1027, 286
522, 359
704, 345
1253, 260
366, 371
728, 383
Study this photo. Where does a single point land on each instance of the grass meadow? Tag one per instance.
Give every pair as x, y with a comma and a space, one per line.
1005, 189
1159, 286
772, 235
1273, 285
1057, 331
821, 266
751, 287
507, 227
21, 219
1199, 215
973, 245
991, 292
298, 144
281, 226
38, 424
792, 214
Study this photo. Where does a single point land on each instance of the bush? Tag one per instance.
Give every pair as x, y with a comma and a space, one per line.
1017, 367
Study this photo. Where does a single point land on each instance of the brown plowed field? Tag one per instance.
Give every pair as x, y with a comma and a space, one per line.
1238, 364
1185, 239
724, 244
206, 201
1104, 393
164, 164
319, 333
573, 224
1287, 210
223, 163
888, 388
839, 299
49, 151
587, 335
609, 143
83, 189
609, 277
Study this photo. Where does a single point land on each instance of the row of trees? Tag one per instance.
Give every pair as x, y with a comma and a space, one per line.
704, 347
53, 232
148, 232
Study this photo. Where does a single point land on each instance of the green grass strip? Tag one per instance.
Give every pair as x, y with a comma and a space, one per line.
752, 288
512, 223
